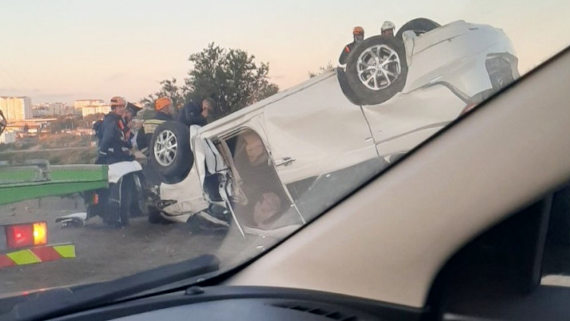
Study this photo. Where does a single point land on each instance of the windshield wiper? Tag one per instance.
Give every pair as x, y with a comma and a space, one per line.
52, 303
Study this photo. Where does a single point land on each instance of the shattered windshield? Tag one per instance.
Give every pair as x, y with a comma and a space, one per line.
143, 133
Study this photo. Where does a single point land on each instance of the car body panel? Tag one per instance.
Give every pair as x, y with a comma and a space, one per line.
407, 119
318, 125
455, 54
237, 118
188, 195
120, 169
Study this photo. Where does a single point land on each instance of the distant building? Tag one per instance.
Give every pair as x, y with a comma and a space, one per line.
79, 104
91, 106
31, 126
50, 109
16, 108
40, 110
56, 109
97, 109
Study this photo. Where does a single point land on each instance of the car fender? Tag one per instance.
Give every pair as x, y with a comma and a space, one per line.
456, 54
120, 169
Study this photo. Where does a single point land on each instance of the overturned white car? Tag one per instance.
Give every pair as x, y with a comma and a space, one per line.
281, 161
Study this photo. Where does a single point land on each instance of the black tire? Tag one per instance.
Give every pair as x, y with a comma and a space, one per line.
172, 166
346, 90
135, 195
127, 198
358, 92
419, 26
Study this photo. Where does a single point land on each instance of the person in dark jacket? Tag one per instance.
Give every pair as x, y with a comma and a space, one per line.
194, 114
114, 146
128, 125
358, 36
165, 111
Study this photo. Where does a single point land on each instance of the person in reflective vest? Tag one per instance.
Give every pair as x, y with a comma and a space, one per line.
114, 146
358, 36
165, 111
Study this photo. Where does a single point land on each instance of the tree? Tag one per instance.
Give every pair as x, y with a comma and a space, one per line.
231, 77
169, 89
329, 67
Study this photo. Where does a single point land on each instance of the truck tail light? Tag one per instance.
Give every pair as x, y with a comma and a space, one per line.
468, 108
40, 233
26, 235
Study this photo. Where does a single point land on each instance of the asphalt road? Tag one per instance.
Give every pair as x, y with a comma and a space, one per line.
105, 253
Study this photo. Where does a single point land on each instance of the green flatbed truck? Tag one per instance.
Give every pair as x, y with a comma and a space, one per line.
26, 242
39, 179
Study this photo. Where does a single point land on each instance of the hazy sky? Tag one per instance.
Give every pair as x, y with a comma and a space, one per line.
60, 50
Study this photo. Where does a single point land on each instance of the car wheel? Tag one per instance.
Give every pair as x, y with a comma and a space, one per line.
375, 71
170, 153
419, 26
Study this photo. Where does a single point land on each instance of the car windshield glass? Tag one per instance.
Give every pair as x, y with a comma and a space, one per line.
138, 134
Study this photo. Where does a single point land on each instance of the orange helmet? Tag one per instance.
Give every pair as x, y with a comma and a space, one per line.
162, 103
358, 31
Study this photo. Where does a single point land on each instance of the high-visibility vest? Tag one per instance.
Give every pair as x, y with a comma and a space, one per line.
150, 125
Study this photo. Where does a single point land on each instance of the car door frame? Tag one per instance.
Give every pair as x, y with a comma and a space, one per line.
255, 125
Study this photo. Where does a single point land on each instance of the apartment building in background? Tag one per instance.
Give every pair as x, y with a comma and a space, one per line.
16, 108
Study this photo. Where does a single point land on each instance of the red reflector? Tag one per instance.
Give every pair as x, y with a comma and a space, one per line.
468, 108
5, 261
46, 253
18, 236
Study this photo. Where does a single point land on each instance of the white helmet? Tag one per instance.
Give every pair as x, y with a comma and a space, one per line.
387, 25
